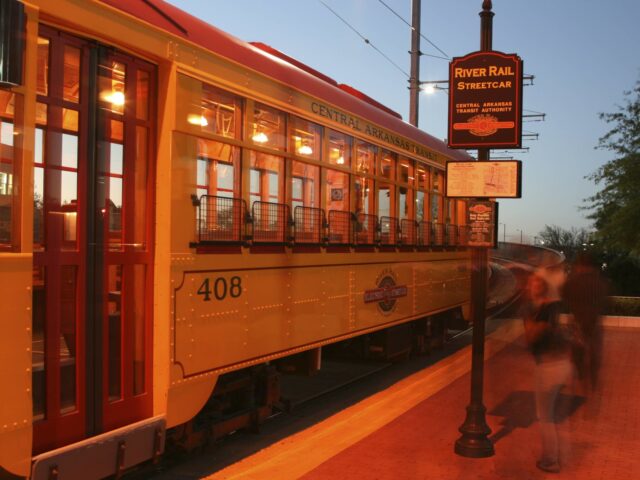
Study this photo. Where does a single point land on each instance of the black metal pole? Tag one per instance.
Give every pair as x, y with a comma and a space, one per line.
475, 441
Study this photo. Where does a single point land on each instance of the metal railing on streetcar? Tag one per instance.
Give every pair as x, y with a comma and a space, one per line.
308, 225
220, 219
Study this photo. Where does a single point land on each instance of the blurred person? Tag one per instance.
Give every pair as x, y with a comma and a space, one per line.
551, 352
555, 276
585, 293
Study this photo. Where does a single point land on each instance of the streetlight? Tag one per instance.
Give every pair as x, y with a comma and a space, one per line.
518, 230
430, 86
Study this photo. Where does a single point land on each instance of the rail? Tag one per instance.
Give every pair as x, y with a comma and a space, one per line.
226, 220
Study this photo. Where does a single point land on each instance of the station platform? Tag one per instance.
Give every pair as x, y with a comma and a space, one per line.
408, 431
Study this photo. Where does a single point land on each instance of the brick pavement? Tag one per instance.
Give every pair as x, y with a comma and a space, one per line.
408, 431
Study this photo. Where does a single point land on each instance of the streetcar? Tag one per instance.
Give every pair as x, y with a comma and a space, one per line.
182, 216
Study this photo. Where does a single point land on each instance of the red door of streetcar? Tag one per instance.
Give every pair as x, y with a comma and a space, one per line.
92, 286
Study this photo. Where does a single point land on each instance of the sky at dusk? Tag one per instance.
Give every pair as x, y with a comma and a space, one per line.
583, 54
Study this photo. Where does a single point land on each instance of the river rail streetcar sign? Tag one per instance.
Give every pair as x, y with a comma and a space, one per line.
481, 179
481, 219
485, 101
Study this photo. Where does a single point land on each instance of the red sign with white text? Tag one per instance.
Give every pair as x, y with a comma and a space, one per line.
485, 101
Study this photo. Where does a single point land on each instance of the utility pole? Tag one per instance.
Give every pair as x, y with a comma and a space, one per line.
414, 79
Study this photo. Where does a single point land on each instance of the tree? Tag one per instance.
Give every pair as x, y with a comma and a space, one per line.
615, 209
568, 242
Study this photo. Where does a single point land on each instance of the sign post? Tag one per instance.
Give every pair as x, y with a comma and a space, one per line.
485, 111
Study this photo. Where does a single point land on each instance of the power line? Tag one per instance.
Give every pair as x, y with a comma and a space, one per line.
446, 57
365, 39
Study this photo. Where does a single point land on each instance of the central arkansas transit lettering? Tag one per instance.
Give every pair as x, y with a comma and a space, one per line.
382, 135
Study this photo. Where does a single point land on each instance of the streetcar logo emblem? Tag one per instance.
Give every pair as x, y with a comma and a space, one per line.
386, 294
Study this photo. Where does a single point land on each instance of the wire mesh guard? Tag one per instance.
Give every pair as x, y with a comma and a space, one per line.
424, 234
438, 234
365, 229
408, 232
339, 227
452, 235
220, 219
308, 225
270, 222
388, 230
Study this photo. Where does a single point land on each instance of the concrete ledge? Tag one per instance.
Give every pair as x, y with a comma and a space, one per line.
612, 321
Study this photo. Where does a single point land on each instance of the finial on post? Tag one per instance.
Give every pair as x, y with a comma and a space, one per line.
486, 5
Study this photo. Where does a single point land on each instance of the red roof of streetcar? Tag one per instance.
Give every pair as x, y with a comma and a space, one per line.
275, 65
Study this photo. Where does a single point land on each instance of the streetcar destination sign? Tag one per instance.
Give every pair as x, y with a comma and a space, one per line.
485, 101
501, 179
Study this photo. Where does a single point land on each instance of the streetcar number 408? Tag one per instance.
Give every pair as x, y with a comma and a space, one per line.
220, 288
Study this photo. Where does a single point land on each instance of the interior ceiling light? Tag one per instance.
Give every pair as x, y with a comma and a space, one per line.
305, 149
115, 98
195, 119
260, 137
340, 160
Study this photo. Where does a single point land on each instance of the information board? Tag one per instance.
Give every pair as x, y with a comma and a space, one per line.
498, 179
482, 222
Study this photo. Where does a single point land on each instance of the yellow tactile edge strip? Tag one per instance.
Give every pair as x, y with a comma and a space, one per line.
300, 453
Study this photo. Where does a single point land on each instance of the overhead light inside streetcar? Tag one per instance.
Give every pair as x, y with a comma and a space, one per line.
114, 98
199, 120
340, 160
305, 149
260, 137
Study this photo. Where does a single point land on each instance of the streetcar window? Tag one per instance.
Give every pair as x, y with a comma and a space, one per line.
337, 190
42, 85
363, 195
305, 182
420, 199
422, 178
204, 108
388, 164
385, 200
218, 169
6, 167
306, 138
268, 127
405, 203
71, 80
366, 158
339, 148
111, 85
266, 178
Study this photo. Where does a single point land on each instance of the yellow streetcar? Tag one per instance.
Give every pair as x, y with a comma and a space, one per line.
178, 209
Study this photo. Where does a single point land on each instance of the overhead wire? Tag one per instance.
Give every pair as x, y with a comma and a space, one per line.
365, 39
446, 57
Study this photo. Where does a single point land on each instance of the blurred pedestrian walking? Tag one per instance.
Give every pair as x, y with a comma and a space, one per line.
585, 293
551, 351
